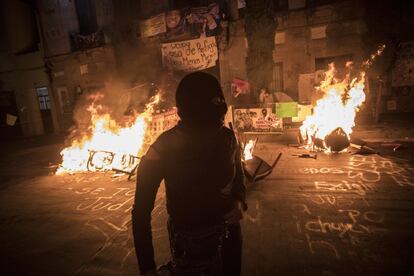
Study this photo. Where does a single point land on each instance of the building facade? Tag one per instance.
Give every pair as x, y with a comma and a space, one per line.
77, 50
66, 48
309, 36
27, 104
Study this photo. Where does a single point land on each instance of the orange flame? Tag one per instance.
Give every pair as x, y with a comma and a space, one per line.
339, 104
109, 145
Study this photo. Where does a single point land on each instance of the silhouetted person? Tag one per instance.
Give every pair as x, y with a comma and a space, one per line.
199, 160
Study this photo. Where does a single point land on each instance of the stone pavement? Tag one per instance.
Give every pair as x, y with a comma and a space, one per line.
339, 214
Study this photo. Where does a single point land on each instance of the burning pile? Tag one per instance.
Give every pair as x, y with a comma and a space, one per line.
108, 145
330, 125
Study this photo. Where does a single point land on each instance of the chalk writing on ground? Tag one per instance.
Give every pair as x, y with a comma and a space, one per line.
366, 169
111, 210
336, 217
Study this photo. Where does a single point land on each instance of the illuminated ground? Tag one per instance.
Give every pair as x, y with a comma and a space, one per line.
336, 215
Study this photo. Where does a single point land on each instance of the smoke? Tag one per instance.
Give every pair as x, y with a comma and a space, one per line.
121, 102
138, 76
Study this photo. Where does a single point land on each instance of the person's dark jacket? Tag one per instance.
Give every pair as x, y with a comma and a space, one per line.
203, 179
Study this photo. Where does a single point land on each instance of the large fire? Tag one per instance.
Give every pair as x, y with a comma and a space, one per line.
108, 145
335, 111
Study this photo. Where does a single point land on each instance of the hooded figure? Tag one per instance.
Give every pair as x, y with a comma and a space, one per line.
200, 101
199, 161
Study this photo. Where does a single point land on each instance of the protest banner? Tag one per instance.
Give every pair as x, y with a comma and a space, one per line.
256, 120
153, 26
190, 55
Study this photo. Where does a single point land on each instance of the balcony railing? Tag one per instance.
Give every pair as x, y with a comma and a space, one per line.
84, 42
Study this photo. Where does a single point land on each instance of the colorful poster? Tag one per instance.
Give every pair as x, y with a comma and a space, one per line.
204, 21
175, 21
240, 86
190, 55
153, 26
256, 120
199, 21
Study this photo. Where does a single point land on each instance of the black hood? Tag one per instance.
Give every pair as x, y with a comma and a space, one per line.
200, 100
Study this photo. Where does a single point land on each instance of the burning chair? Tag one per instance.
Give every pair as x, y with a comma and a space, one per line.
105, 160
255, 168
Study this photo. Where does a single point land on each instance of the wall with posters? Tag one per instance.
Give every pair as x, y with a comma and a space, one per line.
260, 119
200, 21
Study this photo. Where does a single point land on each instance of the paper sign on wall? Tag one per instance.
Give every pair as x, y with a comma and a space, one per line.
153, 26
190, 55
11, 119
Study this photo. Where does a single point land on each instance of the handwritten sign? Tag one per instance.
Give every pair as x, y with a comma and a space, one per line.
190, 55
153, 26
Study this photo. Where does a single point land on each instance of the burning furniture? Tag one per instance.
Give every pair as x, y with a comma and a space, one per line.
254, 167
101, 160
333, 118
330, 125
109, 145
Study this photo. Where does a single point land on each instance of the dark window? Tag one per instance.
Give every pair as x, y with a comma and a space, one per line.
277, 85
86, 11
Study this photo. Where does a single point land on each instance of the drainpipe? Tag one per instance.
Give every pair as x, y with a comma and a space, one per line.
56, 126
